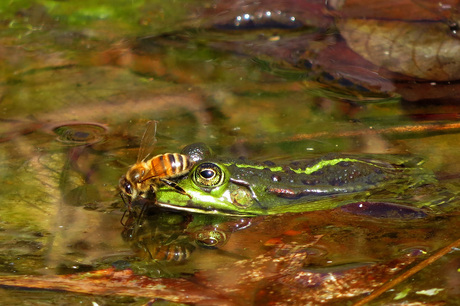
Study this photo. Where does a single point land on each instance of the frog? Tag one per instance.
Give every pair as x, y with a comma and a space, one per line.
220, 185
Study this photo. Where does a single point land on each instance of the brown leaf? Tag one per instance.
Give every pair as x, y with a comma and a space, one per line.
418, 49
396, 9
121, 283
274, 277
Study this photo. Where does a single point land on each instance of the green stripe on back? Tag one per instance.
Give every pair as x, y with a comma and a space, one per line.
320, 165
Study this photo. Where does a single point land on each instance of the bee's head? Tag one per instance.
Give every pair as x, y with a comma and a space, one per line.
127, 187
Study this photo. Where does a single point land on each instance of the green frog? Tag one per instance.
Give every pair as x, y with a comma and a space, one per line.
239, 187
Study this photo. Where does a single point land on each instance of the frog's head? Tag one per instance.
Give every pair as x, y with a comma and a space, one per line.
212, 191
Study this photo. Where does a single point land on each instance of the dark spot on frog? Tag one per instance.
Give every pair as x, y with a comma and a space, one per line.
356, 172
344, 164
310, 182
288, 170
276, 178
319, 172
337, 181
269, 163
351, 176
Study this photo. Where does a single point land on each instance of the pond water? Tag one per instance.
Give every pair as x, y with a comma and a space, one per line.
260, 80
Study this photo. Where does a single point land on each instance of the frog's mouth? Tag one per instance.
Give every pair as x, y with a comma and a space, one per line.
201, 210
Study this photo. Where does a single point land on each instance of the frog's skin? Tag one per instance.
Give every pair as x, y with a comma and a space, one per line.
225, 186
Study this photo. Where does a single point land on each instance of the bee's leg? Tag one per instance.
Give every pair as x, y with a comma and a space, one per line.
127, 203
146, 203
141, 214
126, 200
122, 218
175, 186
154, 193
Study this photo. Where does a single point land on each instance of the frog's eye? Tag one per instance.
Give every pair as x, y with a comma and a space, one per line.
211, 239
209, 175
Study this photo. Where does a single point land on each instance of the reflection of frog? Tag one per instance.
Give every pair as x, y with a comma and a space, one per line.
173, 236
223, 186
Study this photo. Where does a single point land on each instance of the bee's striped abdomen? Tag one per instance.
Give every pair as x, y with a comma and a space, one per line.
169, 165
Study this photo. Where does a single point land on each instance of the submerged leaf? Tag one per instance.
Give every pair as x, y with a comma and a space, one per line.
419, 49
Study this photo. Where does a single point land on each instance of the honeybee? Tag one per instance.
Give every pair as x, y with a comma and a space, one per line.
173, 252
145, 176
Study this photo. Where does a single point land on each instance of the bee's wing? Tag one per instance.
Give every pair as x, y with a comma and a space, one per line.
148, 141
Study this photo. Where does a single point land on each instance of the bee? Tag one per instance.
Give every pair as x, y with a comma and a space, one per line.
174, 252
146, 176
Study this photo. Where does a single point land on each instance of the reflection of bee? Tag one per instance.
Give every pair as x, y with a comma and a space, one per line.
161, 237
146, 176
174, 252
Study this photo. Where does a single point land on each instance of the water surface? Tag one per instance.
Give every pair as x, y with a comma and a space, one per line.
262, 80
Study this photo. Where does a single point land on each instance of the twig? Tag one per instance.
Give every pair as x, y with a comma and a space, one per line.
397, 130
408, 273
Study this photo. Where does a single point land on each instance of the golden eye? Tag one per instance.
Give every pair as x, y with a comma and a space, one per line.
211, 239
209, 175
